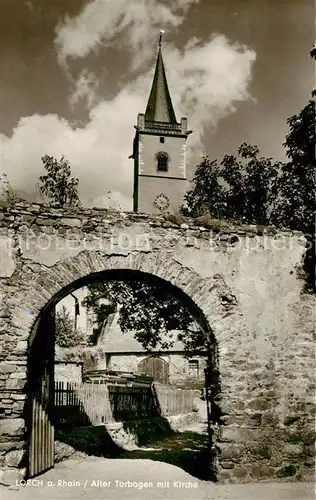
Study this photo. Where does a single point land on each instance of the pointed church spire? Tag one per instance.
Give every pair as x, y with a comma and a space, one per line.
159, 106
160, 37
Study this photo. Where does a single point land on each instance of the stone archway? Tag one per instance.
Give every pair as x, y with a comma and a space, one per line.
264, 336
40, 287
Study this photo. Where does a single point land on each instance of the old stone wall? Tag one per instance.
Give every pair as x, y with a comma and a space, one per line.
245, 283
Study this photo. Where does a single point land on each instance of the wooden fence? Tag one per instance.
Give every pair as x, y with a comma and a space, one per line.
81, 404
173, 401
97, 403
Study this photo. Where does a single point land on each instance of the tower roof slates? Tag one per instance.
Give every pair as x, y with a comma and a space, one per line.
159, 106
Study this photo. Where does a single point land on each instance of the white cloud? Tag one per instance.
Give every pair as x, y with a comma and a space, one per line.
85, 89
206, 81
102, 21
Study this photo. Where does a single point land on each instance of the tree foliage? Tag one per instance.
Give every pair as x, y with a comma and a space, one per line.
147, 310
207, 196
57, 184
241, 188
296, 187
295, 207
65, 332
250, 185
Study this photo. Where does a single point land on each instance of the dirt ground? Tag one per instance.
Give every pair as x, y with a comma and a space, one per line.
115, 479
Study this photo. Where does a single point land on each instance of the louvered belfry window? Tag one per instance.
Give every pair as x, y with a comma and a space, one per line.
162, 161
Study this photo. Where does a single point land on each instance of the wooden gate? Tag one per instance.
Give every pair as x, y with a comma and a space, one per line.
155, 367
41, 395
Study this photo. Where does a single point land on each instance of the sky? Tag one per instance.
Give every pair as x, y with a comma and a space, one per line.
75, 74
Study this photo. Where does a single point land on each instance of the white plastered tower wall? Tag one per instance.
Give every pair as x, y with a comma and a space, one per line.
151, 182
158, 132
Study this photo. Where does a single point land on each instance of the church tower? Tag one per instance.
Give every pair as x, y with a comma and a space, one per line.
159, 151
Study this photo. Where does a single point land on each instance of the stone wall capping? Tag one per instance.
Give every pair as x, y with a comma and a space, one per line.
28, 208
18, 211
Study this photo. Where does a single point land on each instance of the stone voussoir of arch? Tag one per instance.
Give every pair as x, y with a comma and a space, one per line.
206, 293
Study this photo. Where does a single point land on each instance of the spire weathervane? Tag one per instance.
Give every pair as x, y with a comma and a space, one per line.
160, 37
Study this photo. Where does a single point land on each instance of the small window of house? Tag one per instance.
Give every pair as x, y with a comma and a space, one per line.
193, 367
162, 161
162, 140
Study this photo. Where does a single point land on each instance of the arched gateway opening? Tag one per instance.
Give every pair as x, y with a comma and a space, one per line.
207, 299
40, 390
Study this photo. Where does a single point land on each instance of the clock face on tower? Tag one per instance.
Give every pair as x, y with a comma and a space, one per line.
162, 202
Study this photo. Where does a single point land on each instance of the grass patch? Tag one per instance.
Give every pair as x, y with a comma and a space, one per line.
209, 223
149, 431
90, 440
187, 450
177, 218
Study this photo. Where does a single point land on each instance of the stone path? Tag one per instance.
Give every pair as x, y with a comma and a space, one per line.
115, 479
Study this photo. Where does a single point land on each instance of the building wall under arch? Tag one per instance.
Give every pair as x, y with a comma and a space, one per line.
246, 282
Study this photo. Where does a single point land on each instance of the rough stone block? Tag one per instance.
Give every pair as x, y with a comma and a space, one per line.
6, 368
309, 461
7, 264
259, 404
15, 383
18, 375
238, 434
18, 397
293, 449
255, 420
230, 451
229, 407
67, 221
310, 450
227, 464
13, 458
262, 472
261, 451
18, 406
286, 471
21, 346
240, 472
269, 419
12, 445
12, 427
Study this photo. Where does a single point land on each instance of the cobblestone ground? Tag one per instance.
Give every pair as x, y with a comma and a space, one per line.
114, 479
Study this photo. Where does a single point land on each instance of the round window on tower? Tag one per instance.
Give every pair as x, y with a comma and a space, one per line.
162, 161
